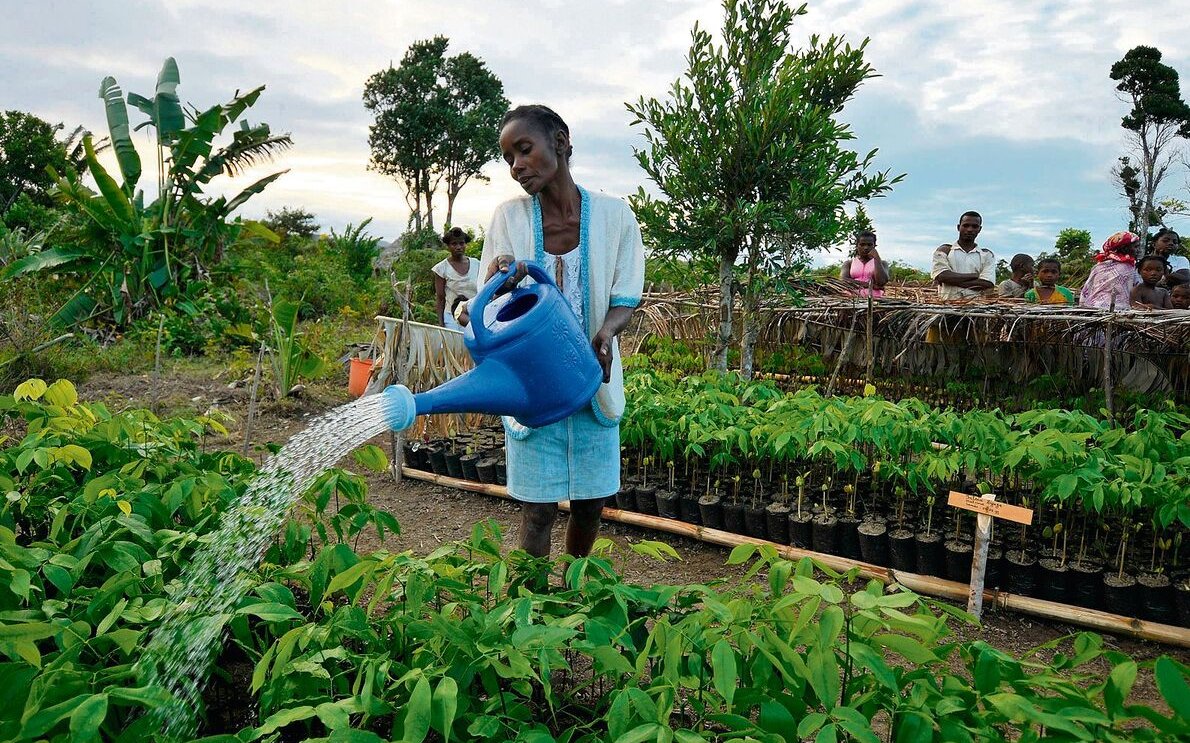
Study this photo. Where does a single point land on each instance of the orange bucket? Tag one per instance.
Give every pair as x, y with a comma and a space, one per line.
357, 378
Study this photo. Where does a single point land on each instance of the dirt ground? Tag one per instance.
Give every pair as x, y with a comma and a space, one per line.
431, 515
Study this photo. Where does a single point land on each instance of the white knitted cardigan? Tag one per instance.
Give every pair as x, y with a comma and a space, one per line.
613, 270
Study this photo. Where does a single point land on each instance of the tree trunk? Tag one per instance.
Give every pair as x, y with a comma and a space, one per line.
751, 313
751, 331
726, 305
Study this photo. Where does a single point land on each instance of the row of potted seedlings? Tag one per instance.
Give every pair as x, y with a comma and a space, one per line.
1114, 563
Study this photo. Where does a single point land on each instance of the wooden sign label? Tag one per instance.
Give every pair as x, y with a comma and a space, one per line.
990, 507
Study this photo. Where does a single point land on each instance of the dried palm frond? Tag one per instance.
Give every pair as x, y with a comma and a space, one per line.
1150, 350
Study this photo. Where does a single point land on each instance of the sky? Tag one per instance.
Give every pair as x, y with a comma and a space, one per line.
1003, 106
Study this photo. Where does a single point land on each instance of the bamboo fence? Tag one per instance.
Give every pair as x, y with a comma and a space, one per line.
1007, 339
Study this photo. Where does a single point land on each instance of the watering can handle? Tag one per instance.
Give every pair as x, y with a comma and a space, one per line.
480, 303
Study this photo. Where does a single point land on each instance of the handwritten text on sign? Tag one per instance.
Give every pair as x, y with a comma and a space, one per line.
990, 507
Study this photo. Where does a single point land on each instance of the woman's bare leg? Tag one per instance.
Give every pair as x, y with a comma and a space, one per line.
583, 527
537, 526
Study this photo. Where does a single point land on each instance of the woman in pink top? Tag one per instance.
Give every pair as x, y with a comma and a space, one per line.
1111, 280
865, 268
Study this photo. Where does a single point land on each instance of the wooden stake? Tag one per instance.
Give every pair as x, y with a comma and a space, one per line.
1107, 364
157, 355
830, 386
252, 400
922, 584
979, 560
871, 349
397, 438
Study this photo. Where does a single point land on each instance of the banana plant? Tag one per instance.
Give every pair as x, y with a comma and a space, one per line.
291, 359
134, 257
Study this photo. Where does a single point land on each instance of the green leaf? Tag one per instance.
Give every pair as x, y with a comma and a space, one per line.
32, 389
280, 719
725, 676
41, 261
372, 457
741, 554
445, 706
1171, 682
120, 133
87, 717
1119, 686
640, 734
61, 393
418, 713
270, 612
810, 724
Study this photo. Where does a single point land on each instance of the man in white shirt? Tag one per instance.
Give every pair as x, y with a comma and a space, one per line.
964, 270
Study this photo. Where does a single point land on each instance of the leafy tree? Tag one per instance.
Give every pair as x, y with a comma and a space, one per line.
747, 153
1157, 119
1073, 250
435, 123
28, 146
295, 222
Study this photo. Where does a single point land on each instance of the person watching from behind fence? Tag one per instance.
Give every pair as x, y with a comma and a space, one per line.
1113, 275
964, 270
866, 268
1147, 295
454, 276
1021, 281
1166, 243
1047, 290
1179, 297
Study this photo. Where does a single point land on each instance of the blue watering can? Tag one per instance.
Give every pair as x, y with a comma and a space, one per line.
532, 362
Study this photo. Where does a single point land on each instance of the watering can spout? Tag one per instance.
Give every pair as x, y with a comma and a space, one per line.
532, 362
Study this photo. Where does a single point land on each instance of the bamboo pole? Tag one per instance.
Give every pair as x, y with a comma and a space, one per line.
397, 438
1107, 364
923, 584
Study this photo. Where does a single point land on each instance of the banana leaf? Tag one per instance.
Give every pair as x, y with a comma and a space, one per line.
77, 310
116, 198
251, 191
118, 130
165, 110
41, 261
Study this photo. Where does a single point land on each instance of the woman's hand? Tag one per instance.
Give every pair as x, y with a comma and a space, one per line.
602, 343
501, 263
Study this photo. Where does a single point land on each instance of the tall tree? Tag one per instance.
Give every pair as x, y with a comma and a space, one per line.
435, 123
1158, 118
471, 139
747, 151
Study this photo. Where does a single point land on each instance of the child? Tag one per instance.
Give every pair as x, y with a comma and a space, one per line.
1179, 297
1147, 295
1049, 270
1022, 277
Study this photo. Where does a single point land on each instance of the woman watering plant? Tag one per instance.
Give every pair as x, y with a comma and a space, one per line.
591, 245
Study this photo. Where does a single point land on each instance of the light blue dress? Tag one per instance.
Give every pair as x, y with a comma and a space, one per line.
574, 459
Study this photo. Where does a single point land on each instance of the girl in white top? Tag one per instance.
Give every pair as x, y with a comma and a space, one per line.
454, 276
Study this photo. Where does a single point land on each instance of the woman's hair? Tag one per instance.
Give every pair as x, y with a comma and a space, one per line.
865, 233
543, 119
1162, 233
454, 234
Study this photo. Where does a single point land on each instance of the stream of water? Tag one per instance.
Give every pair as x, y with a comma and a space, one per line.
179, 654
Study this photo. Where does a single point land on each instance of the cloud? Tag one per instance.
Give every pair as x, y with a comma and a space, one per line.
1004, 105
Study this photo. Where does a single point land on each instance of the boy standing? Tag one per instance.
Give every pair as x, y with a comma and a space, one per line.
1049, 271
964, 270
1021, 280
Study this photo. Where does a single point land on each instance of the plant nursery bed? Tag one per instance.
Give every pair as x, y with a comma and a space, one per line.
924, 584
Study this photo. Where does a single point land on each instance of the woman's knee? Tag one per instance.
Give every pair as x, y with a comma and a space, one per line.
539, 515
